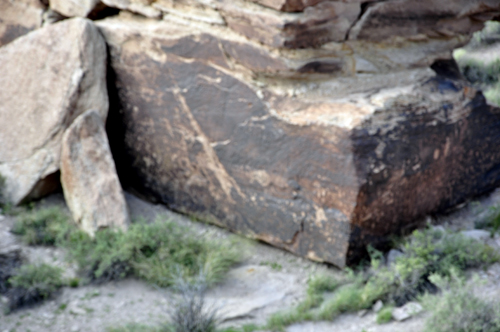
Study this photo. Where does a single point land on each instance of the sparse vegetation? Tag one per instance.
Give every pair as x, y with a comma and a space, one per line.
483, 74
191, 313
317, 285
425, 253
385, 315
153, 252
42, 227
272, 265
33, 283
491, 221
244, 328
459, 310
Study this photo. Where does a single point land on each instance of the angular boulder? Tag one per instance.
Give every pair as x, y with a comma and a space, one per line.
310, 153
49, 77
72, 8
19, 17
88, 176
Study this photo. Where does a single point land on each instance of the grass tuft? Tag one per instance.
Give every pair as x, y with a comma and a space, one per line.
153, 252
41, 227
426, 253
385, 315
458, 309
33, 283
191, 313
317, 285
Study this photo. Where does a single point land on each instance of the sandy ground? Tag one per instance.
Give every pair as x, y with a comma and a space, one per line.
251, 292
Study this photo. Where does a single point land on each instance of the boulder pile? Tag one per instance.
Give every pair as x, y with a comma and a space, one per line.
316, 126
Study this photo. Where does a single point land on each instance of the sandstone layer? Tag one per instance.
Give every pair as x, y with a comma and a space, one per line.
88, 176
49, 77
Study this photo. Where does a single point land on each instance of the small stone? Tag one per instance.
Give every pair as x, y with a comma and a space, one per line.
477, 234
408, 310
75, 310
362, 313
75, 328
378, 306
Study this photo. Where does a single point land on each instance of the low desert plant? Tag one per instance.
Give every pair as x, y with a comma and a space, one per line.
385, 315
459, 310
33, 283
191, 313
425, 253
150, 251
42, 226
491, 221
317, 285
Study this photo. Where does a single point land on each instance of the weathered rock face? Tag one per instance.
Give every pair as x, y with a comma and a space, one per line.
88, 176
19, 17
221, 128
49, 77
314, 23
72, 8
314, 125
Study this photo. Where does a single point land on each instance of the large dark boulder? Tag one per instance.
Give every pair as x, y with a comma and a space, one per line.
317, 169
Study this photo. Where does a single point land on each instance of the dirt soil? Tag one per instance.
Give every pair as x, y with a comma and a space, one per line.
252, 291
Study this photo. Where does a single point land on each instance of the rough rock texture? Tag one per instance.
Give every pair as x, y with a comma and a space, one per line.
298, 24
71, 8
88, 176
53, 75
316, 126
222, 128
19, 17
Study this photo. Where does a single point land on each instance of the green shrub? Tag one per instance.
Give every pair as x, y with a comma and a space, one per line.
41, 226
33, 283
480, 73
385, 315
190, 312
425, 253
153, 252
459, 310
491, 220
317, 285
280, 320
